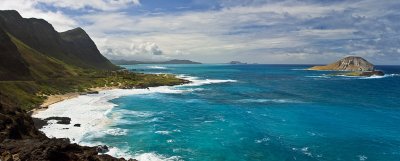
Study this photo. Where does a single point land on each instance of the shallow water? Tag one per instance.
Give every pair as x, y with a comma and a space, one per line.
251, 112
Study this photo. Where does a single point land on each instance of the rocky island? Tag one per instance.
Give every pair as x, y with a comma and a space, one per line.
351, 66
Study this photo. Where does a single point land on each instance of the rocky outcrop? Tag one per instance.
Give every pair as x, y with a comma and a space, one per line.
351, 63
20, 140
363, 74
73, 47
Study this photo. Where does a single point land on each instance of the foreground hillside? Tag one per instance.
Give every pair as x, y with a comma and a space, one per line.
35, 62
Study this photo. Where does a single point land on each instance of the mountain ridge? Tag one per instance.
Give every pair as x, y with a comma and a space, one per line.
74, 47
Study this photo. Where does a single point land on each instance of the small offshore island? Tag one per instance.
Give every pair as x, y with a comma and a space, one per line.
351, 66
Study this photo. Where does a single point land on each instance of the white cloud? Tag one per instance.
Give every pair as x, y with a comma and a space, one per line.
207, 34
120, 48
28, 9
93, 4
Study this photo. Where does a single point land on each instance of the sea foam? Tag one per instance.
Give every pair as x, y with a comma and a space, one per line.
157, 67
268, 101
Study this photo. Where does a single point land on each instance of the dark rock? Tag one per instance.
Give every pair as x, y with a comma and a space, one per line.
77, 125
39, 123
372, 73
20, 140
60, 120
93, 92
102, 149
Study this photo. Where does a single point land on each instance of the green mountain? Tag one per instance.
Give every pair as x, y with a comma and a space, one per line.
10, 57
132, 62
73, 47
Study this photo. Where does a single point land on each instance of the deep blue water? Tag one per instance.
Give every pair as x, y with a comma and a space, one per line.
272, 113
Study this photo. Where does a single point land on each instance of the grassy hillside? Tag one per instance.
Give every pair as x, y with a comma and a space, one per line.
42, 66
52, 76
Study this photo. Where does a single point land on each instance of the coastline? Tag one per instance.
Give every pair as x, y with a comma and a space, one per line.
98, 107
52, 99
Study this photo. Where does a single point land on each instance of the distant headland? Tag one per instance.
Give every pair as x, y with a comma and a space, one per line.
133, 62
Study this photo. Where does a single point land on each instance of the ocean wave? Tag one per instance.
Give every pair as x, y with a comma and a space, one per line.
195, 81
146, 156
132, 113
268, 101
155, 157
318, 76
378, 77
116, 132
163, 132
156, 67
362, 157
355, 77
263, 140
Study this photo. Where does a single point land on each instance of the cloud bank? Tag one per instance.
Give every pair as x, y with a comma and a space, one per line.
256, 31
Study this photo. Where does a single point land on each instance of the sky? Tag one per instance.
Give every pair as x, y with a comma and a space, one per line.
220, 31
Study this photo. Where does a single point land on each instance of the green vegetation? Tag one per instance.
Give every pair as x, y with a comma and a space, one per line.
51, 76
30, 94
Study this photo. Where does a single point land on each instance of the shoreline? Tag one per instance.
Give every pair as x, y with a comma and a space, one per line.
76, 110
98, 106
53, 99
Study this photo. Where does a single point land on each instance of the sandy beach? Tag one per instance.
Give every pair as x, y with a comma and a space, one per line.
52, 99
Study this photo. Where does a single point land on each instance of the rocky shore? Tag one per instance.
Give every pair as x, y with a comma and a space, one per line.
20, 141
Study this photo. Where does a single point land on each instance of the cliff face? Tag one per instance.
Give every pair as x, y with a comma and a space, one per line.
73, 47
351, 63
12, 65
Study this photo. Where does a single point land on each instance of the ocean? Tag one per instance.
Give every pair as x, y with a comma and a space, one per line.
242, 113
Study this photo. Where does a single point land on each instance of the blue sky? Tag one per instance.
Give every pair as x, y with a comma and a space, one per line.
218, 31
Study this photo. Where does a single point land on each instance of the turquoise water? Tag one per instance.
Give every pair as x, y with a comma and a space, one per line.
271, 113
